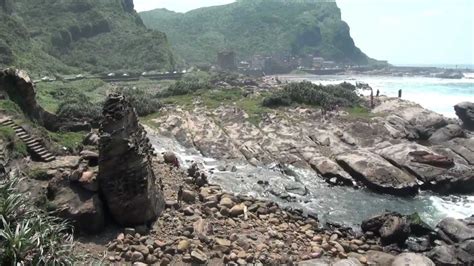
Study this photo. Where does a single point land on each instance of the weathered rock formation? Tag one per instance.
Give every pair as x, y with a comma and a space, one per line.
465, 112
126, 178
400, 148
457, 245
18, 87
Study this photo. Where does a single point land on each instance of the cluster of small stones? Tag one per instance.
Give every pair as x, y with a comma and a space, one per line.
213, 227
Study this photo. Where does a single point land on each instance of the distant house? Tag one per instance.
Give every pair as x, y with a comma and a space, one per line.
226, 61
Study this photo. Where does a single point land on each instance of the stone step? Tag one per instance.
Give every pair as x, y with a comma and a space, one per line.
35, 147
31, 142
41, 151
49, 159
7, 122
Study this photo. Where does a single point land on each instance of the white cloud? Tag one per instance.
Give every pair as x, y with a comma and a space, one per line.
431, 13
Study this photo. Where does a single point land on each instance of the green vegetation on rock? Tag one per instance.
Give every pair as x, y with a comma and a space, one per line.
263, 27
28, 236
327, 97
71, 36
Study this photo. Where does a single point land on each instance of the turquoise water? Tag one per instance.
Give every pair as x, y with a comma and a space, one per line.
439, 95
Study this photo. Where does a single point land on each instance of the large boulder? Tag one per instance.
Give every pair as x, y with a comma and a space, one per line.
415, 122
465, 112
456, 231
446, 133
412, 259
83, 208
391, 227
128, 184
457, 247
437, 171
377, 173
330, 170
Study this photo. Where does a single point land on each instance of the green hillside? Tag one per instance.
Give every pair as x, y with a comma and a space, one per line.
263, 27
67, 36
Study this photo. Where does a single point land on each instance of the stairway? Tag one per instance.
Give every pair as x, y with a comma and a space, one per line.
34, 145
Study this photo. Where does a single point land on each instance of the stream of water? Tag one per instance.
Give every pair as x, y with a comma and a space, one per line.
305, 190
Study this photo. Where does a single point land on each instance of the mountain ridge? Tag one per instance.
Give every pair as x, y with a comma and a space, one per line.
263, 27
69, 36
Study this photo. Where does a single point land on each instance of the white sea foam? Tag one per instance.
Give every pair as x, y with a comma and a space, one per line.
439, 95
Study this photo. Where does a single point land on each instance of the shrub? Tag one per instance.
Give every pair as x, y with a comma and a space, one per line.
184, 87
80, 108
326, 97
278, 99
144, 102
29, 236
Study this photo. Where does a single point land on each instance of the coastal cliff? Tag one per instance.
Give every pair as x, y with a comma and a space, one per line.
264, 28
58, 37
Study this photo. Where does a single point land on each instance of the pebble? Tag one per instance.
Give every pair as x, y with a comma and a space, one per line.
183, 245
226, 202
198, 256
137, 256
237, 210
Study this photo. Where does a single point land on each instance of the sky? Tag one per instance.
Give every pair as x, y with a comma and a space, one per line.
420, 32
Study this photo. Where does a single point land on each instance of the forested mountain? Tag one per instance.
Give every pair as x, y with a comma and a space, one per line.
263, 27
72, 35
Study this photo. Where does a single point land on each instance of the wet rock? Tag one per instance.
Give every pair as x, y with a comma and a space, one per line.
446, 133
412, 259
444, 255
465, 112
435, 170
171, 158
455, 231
377, 173
394, 230
330, 169
126, 178
379, 258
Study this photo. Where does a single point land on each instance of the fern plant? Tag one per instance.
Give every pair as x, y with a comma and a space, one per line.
29, 236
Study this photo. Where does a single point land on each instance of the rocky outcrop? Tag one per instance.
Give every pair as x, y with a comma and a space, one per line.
457, 245
434, 170
128, 184
21, 90
446, 133
412, 120
399, 148
412, 259
465, 112
84, 208
377, 173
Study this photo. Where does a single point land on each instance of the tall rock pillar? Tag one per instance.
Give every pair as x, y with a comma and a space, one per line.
126, 178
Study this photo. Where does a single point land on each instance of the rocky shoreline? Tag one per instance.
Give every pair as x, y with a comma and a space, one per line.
215, 228
177, 217
399, 148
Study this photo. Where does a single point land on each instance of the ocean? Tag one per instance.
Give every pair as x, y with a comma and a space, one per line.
439, 95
